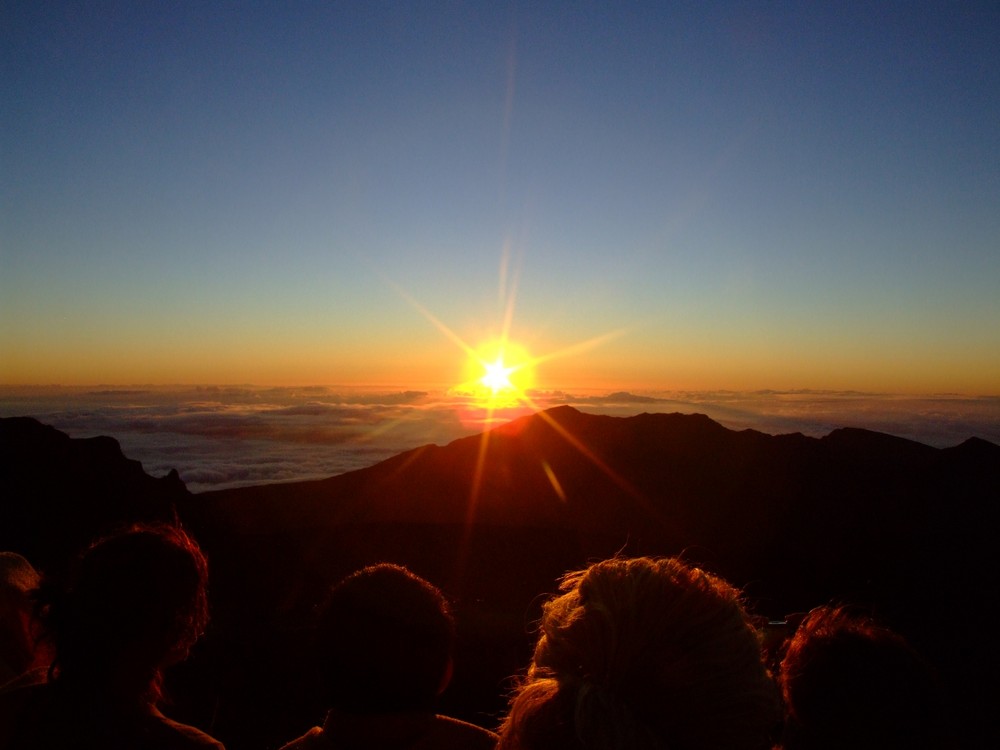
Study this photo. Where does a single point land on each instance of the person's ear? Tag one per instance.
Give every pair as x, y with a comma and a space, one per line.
449, 671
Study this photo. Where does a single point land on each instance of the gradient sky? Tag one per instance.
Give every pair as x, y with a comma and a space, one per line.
744, 195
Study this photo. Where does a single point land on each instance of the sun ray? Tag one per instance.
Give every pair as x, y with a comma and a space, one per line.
502, 275
580, 346
574, 441
554, 481
509, 300
450, 334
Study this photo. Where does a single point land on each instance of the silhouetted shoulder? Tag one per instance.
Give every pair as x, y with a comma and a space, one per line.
171, 734
36, 717
453, 733
14, 701
311, 740
414, 731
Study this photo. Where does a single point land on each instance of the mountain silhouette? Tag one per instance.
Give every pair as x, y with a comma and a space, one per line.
744, 501
902, 528
60, 493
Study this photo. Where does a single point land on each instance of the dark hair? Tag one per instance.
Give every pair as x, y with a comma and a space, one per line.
18, 580
643, 653
385, 638
135, 601
849, 682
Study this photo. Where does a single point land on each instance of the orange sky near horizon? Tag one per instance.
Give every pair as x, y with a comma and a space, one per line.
429, 360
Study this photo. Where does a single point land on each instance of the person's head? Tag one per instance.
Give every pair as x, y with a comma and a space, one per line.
135, 602
384, 642
18, 579
643, 653
848, 682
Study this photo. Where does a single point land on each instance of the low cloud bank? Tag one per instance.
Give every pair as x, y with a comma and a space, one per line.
229, 437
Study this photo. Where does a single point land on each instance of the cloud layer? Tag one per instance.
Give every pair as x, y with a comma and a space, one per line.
218, 437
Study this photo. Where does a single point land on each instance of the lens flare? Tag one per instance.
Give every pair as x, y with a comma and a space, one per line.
497, 386
497, 376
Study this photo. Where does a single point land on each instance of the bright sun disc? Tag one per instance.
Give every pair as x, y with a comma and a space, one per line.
499, 371
497, 377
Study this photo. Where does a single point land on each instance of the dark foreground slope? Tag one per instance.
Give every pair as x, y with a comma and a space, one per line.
795, 518
904, 528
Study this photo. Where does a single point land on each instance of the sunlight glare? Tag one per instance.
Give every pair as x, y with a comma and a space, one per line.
498, 372
497, 377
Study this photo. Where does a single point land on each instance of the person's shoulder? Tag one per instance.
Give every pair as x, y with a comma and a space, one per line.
20, 706
177, 736
30, 679
309, 741
449, 732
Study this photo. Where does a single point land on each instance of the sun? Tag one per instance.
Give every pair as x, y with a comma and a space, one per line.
497, 374
497, 377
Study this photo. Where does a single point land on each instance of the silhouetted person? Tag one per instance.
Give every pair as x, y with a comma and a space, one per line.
643, 653
134, 604
384, 649
21, 654
849, 683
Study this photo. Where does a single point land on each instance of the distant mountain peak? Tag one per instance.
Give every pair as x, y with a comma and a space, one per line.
61, 491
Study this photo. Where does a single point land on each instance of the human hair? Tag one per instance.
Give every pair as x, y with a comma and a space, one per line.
18, 579
134, 602
849, 682
643, 653
384, 642
17, 574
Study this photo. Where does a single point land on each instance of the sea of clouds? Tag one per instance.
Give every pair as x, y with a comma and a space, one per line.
219, 437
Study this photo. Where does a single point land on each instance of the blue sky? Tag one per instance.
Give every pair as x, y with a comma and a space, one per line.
786, 195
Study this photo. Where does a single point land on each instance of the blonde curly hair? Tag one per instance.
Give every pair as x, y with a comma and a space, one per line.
643, 653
